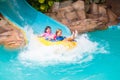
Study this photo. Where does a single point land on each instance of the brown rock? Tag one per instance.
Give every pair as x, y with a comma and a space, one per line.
3, 22
112, 16
71, 16
94, 9
102, 10
67, 9
54, 16
92, 16
10, 35
81, 14
114, 5
65, 3
112, 23
55, 6
87, 25
79, 5
104, 19
64, 21
60, 14
97, 17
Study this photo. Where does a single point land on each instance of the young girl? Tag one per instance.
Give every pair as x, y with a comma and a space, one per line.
47, 33
58, 36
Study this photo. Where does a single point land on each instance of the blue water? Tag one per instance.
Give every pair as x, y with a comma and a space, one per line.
97, 58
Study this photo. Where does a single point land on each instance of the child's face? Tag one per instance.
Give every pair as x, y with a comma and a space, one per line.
59, 33
48, 30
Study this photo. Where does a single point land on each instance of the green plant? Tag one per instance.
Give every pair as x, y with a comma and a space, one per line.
42, 5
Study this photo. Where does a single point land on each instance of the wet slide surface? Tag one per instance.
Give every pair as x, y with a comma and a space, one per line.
22, 14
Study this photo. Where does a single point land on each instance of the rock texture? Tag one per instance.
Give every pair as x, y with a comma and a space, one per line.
10, 35
75, 16
114, 5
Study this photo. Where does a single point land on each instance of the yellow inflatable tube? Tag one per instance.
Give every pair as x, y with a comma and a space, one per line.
67, 44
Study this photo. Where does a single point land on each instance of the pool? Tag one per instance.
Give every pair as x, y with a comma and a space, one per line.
97, 57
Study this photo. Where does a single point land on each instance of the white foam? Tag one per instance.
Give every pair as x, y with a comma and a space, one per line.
115, 26
50, 55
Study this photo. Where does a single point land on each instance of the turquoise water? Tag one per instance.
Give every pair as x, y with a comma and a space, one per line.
96, 58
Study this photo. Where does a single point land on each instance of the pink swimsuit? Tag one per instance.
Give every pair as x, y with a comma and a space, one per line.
46, 35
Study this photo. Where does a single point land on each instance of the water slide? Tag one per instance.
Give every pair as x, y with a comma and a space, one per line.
22, 14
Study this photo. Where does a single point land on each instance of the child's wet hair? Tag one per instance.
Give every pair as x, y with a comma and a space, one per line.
58, 30
47, 28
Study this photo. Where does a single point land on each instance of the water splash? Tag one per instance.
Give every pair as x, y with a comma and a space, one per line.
49, 55
115, 27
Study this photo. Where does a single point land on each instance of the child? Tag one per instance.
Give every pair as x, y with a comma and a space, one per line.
47, 33
58, 36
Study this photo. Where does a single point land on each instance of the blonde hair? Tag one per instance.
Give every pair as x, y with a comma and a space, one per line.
58, 30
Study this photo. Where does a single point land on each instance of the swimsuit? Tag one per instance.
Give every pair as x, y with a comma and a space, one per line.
46, 35
60, 38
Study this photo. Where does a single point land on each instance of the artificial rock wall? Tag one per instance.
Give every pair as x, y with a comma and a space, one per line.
10, 35
84, 18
